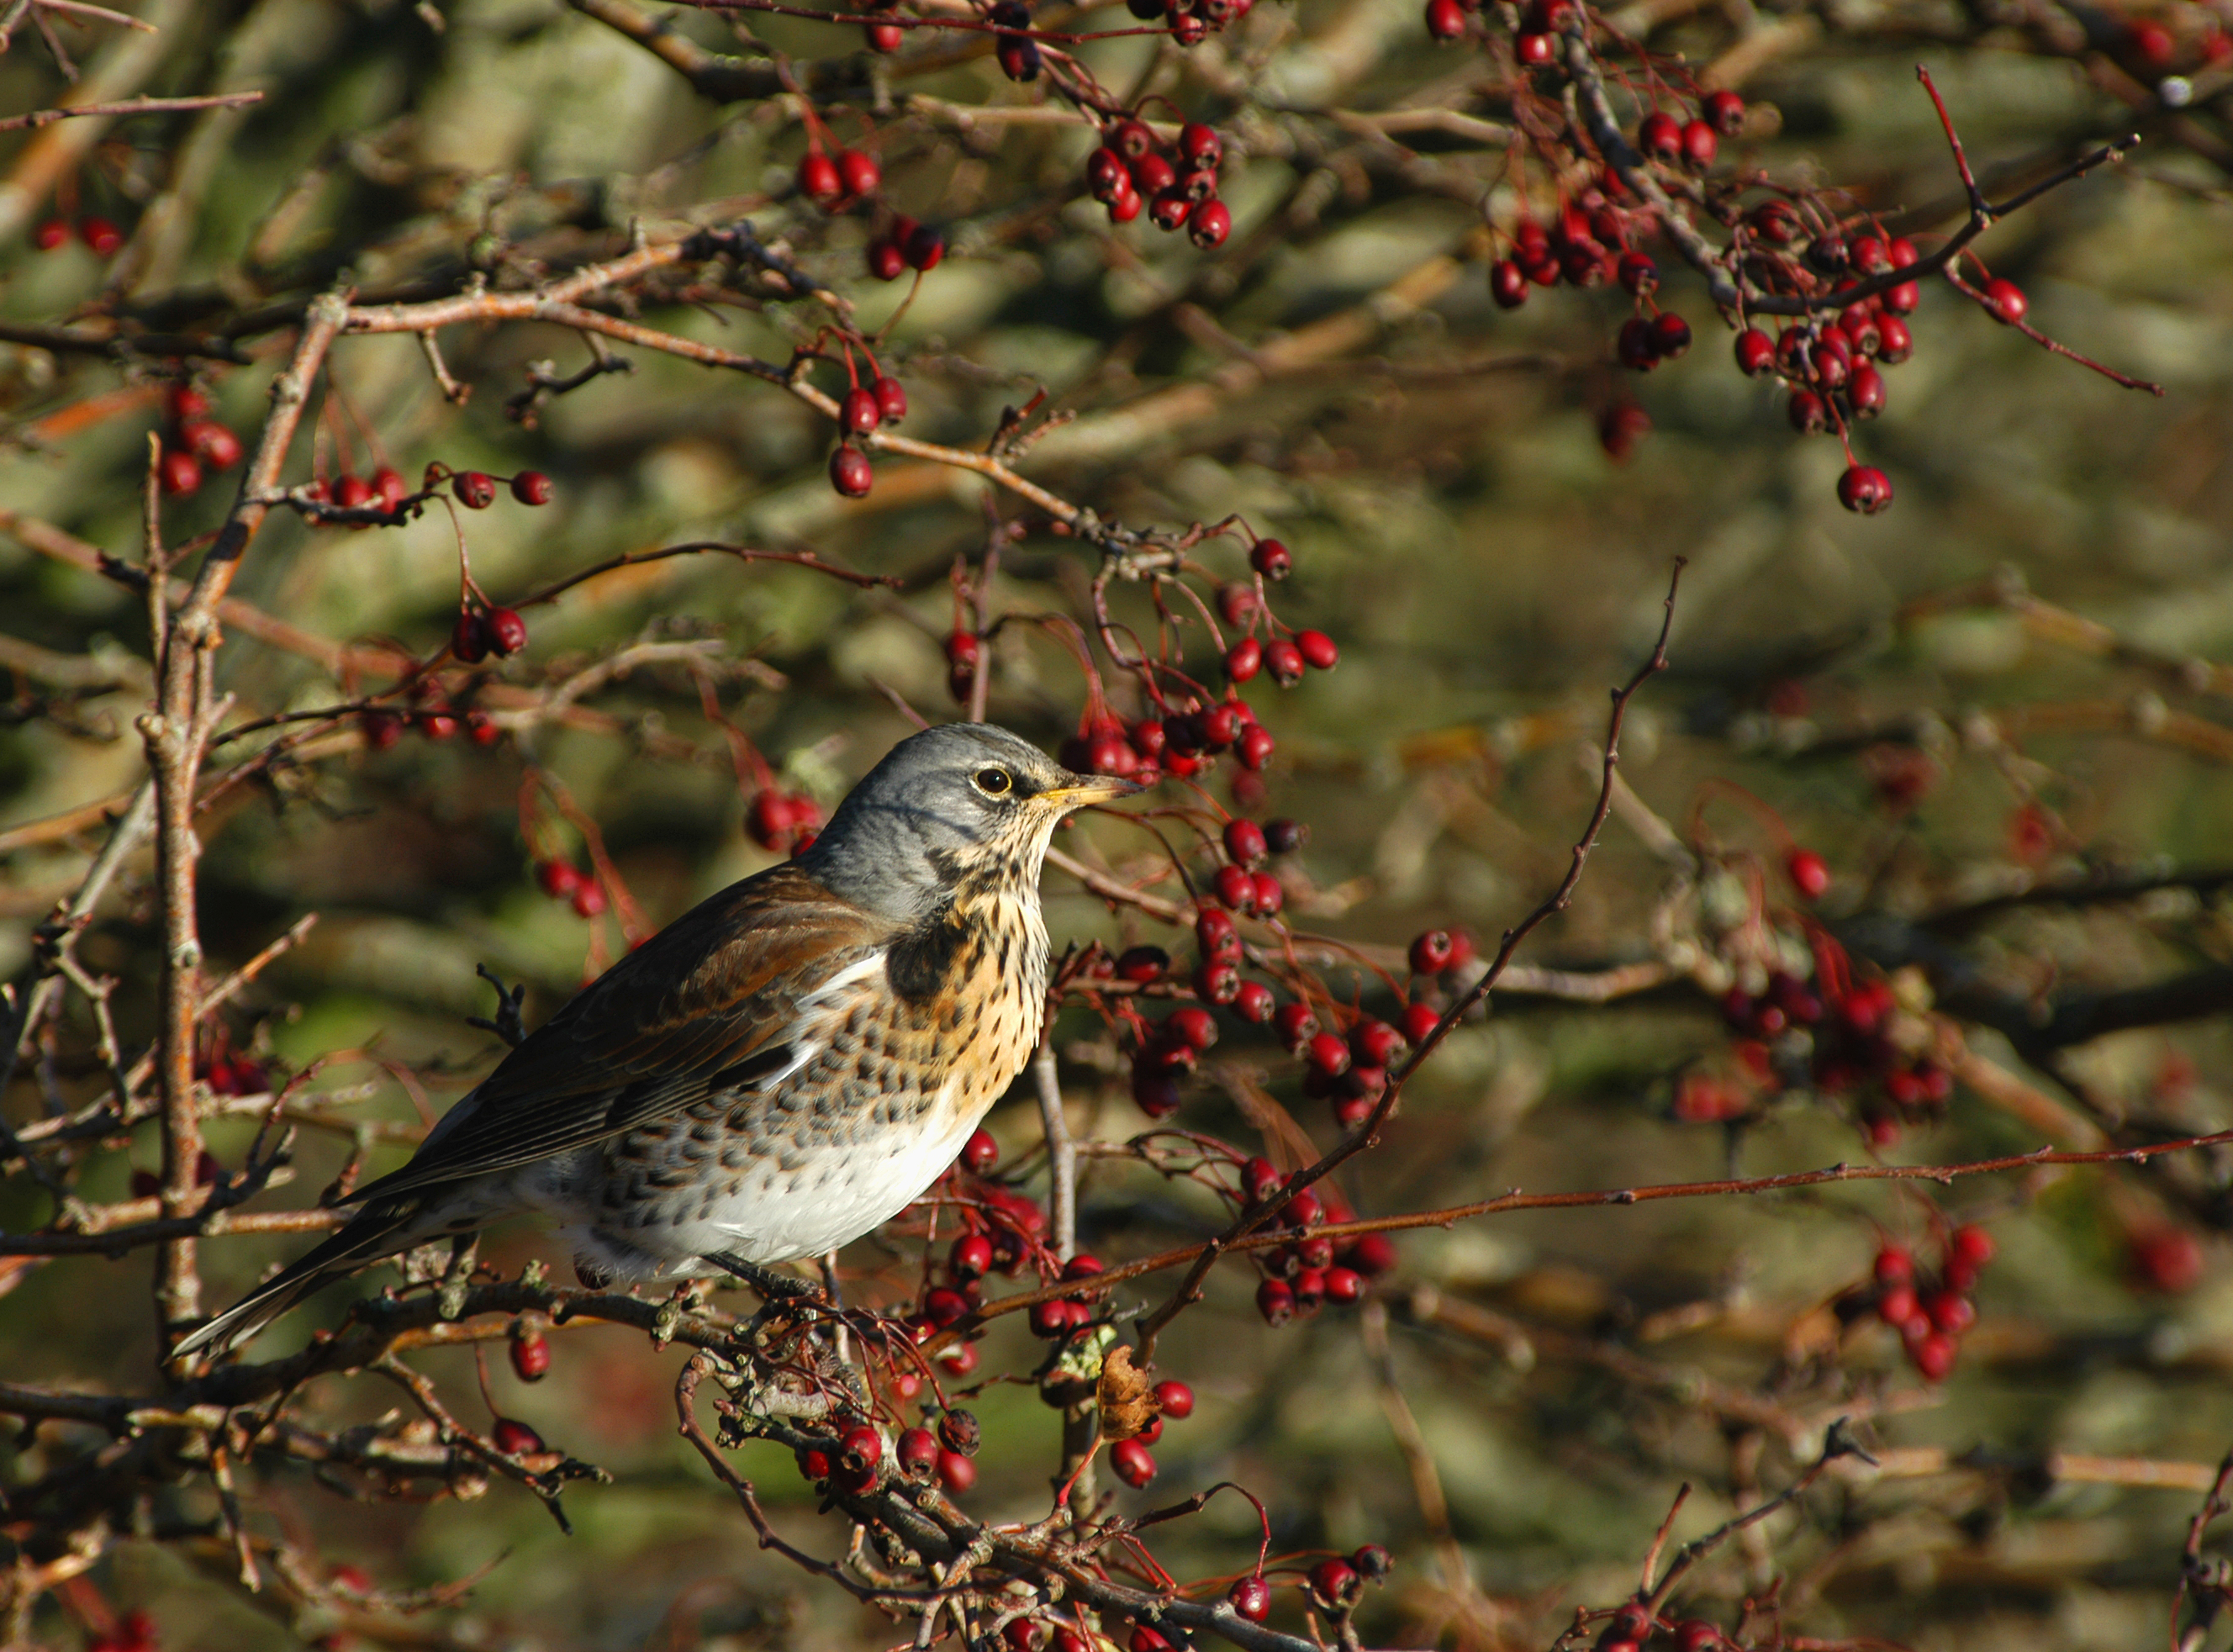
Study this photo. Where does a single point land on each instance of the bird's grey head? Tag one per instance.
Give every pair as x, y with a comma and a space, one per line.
958, 802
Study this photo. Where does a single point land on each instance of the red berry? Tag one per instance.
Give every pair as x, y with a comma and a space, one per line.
860, 1448
1864, 392
1371, 1254
1251, 1599
1950, 1312
1620, 428
1270, 559
178, 472
507, 632
1175, 1399
101, 235
515, 1438
1865, 489
1243, 842
1253, 1002
1809, 873
588, 898
1903, 299
1726, 112
923, 247
1343, 1286
1534, 49
1419, 1020
1755, 352
813, 1463
1169, 211
1446, 19
1809, 413
1190, 1026
858, 414
1236, 888
1637, 273
1372, 1041
352, 493
955, 1472
1895, 344
1255, 746
818, 179
1106, 177
1896, 1306
529, 487
531, 1357
1142, 964
942, 1306
50, 235
1318, 650
1215, 933
1134, 1463
1210, 223
211, 442
1700, 144
850, 472
1660, 137
859, 172
1932, 1356
1275, 1302
391, 490
886, 261
971, 1258
1295, 1024
1329, 1054
2005, 301
980, 1153
2166, 1258
884, 37
1146, 1638
1894, 1265
916, 1453
1969, 1246
1508, 284
469, 638
476, 490
1430, 953
1335, 1584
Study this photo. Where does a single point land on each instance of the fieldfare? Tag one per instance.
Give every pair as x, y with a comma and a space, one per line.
781, 1069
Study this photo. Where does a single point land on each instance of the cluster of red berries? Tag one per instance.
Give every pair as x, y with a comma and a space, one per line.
193, 443
134, 1632
564, 881
1178, 186
882, 401
835, 185
782, 823
1633, 1628
478, 634
1930, 1315
1788, 1036
2155, 49
436, 720
1191, 21
1308, 1270
97, 232
854, 1460
905, 244
1134, 1463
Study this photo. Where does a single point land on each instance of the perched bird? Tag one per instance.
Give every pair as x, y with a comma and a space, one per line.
777, 1071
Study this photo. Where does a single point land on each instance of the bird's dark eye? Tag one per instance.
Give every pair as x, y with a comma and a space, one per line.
994, 783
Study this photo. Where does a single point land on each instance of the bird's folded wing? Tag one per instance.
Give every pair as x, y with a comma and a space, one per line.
709, 1003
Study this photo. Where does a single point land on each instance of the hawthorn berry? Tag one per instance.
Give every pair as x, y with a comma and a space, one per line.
1296, 1025
884, 37
507, 632
1328, 1053
1215, 933
886, 262
859, 172
353, 492
1933, 1356
1134, 1463
1635, 346
1671, 335
1372, 1041
1508, 284
1253, 1002
923, 247
1660, 137
1019, 54
980, 1153
1864, 489
1700, 144
1211, 222
476, 490
1142, 964
589, 899
1638, 274
850, 473
858, 414
1318, 650
916, 1454
1894, 342
2005, 301
1251, 1599
1969, 1248
213, 443
514, 1438
1864, 392
1893, 1266
1255, 746
955, 1472
1191, 1026
1145, 1637
50, 235
942, 1305
1726, 110
1270, 559
103, 236
529, 487
469, 638
531, 1356
1371, 1254
1335, 1584
1275, 1302
1533, 49
1809, 413
1236, 888
1620, 427
819, 180
1446, 20
178, 472
970, 1257
1808, 872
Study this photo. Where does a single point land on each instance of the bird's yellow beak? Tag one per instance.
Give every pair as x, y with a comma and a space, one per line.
1089, 789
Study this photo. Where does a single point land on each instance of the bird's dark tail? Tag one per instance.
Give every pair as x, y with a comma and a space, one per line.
373, 1234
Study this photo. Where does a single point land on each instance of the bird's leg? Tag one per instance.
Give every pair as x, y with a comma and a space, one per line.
507, 1025
774, 1287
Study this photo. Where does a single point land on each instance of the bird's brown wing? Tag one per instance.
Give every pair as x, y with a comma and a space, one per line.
709, 1003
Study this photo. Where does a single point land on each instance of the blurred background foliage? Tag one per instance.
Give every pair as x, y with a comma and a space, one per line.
1434, 464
